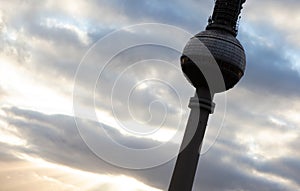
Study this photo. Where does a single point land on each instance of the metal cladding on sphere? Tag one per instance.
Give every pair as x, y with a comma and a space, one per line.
220, 39
225, 49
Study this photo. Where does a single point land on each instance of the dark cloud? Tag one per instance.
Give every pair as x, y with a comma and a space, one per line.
269, 68
225, 167
56, 139
170, 12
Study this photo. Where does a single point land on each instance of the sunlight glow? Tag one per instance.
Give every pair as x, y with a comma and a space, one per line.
277, 179
277, 121
162, 135
25, 91
11, 139
74, 180
8, 134
54, 23
267, 145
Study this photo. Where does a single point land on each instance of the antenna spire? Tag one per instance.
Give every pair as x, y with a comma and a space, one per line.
225, 15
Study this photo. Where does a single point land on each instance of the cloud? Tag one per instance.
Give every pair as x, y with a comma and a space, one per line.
53, 37
2, 93
55, 138
269, 69
53, 42
220, 170
279, 15
229, 164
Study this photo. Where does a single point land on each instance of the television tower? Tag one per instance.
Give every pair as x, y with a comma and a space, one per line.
220, 39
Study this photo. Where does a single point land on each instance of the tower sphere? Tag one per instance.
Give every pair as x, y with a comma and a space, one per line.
219, 39
226, 50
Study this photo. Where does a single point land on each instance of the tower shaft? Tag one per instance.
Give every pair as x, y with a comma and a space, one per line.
185, 169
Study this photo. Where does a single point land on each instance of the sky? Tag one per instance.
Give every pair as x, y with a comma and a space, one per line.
92, 97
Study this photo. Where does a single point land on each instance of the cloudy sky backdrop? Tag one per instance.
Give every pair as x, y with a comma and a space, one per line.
71, 121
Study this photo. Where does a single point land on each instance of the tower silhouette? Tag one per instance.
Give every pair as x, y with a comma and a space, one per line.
219, 42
